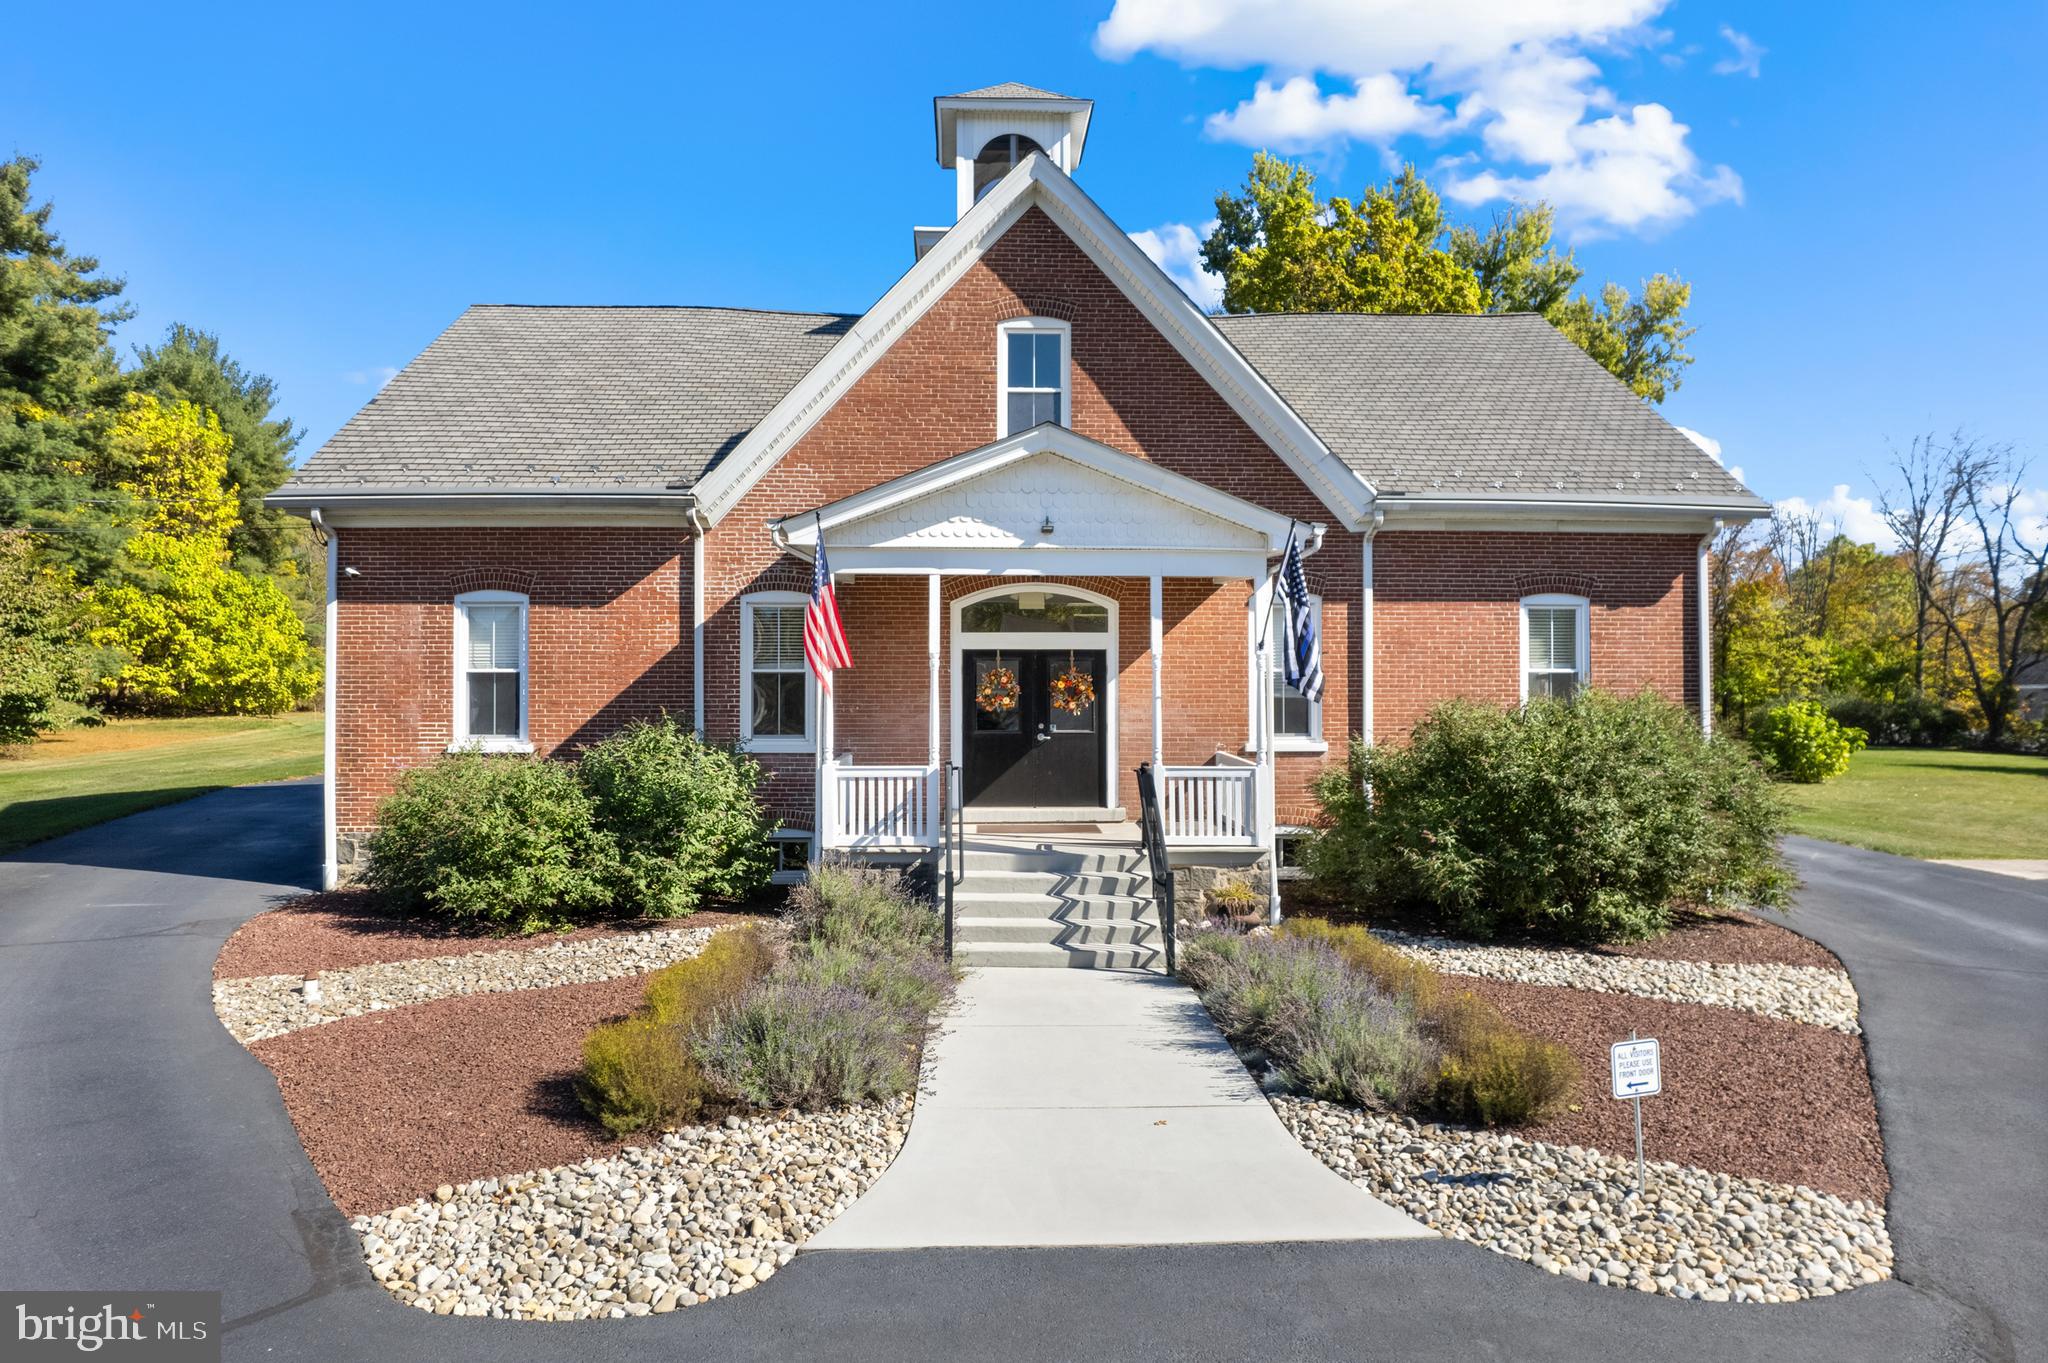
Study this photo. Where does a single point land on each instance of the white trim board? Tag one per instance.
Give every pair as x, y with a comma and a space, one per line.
1037, 182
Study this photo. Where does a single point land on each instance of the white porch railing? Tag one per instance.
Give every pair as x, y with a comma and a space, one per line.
880, 808
1213, 806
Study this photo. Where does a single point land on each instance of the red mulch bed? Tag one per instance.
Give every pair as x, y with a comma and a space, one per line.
390, 1105
346, 928
1743, 1094
1730, 937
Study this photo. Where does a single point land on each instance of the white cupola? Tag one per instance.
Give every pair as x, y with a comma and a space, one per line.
982, 133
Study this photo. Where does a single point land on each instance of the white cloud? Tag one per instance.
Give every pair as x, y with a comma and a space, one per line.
377, 377
1177, 249
1520, 74
1842, 513
1631, 170
1746, 60
1297, 115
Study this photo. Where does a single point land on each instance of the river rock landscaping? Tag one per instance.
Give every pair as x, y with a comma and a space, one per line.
1796, 993
1571, 1210
264, 1006
702, 1213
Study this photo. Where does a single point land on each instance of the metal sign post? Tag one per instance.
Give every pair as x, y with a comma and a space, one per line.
1637, 1072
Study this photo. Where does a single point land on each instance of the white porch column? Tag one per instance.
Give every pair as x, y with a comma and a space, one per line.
1158, 688
827, 762
1262, 702
931, 647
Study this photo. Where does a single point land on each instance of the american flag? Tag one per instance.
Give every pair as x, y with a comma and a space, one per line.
824, 638
1303, 661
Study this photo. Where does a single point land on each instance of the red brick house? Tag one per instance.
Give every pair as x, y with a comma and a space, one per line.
1033, 453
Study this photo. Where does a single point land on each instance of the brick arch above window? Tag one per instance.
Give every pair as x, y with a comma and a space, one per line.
1035, 305
491, 580
1567, 584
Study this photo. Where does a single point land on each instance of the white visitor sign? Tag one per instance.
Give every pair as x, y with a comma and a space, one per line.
1637, 1073
1635, 1067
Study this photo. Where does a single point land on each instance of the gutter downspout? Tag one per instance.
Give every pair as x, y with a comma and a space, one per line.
1706, 636
330, 862
700, 524
1365, 622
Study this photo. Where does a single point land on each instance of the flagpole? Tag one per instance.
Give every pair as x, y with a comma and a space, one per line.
1268, 775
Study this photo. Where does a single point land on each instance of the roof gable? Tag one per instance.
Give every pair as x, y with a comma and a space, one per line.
1036, 182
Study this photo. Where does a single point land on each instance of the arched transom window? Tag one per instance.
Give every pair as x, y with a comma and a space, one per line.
1034, 612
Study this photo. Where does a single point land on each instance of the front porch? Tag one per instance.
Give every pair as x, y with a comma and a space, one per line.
1045, 559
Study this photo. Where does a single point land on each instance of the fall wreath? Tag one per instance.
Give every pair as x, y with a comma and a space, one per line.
997, 691
1073, 690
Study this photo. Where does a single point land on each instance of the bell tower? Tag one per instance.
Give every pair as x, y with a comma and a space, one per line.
983, 133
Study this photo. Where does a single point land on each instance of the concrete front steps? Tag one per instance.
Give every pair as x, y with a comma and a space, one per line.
1086, 905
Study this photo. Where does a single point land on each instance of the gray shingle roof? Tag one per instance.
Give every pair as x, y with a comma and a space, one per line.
1485, 404
555, 397
1008, 89
636, 398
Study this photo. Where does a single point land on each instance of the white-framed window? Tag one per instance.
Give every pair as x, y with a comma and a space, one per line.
1555, 644
777, 697
1297, 720
490, 672
792, 851
1031, 374
1291, 838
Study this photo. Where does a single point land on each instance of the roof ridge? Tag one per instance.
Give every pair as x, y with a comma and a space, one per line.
658, 307
1383, 316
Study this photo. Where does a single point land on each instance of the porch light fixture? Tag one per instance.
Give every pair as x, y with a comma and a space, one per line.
1045, 526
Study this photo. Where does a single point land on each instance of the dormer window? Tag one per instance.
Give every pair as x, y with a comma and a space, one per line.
1031, 374
998, 157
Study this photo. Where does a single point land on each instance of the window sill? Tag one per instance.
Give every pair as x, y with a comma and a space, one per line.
779, 743
1293, 744
491, 745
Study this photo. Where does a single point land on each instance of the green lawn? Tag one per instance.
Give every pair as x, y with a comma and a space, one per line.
77, 777
1931, 803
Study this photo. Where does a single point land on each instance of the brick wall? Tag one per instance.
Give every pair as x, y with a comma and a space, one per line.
608, 627
1448, 614
933, 395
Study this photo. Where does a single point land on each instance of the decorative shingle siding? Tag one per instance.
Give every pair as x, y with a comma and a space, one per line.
608, 639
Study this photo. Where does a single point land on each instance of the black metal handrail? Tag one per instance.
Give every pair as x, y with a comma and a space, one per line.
1152, 830
952, 855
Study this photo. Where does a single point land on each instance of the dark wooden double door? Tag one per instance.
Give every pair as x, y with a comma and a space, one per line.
1033, 754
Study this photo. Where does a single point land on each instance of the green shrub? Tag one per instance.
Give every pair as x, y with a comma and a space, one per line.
1494, 1074
504, 842
1801, 742
1328, 1028
795, 1043
913, 983
1907, 722
1392, 971
685, 814
642, 1072
1584, 820
689, 991
845, 903
1491, 1072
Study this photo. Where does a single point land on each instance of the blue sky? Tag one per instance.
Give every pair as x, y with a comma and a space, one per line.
1849, 189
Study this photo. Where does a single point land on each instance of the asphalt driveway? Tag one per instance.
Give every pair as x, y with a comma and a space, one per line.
140, 1147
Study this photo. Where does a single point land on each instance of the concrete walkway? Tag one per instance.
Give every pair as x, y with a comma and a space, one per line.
1097, 1107
2024, 868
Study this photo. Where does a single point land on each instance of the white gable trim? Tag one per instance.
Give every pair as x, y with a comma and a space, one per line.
1037, 181
799, 533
